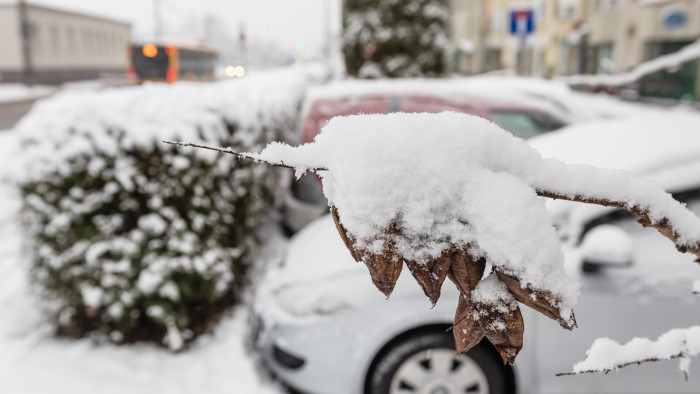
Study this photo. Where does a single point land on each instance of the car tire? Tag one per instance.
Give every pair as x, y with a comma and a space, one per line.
426, 363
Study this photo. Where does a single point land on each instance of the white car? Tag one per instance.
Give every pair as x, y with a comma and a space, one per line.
323, 328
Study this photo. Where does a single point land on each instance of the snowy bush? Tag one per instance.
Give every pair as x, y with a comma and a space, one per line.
131, 239
396, 39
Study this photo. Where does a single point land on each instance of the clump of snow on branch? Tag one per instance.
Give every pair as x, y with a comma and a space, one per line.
608, 355
670, 61
455, 180
492, 291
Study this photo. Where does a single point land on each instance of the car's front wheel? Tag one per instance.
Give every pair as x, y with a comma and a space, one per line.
426, 363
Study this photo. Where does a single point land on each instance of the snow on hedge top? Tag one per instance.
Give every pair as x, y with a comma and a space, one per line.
455, 180
79, 121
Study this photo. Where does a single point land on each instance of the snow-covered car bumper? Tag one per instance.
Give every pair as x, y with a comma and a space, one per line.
307, 353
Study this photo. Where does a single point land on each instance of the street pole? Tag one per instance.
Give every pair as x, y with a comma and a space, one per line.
26, 34
327, 30
157, 20
521, 54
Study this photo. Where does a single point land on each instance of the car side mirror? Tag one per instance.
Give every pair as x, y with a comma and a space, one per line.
606, 246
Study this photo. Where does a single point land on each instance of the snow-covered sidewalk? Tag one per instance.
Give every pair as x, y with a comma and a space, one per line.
14, 92
32, 361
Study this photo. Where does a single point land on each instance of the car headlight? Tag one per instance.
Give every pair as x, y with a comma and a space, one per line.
310, 299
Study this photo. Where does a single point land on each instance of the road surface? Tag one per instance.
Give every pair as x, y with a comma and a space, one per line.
10, 113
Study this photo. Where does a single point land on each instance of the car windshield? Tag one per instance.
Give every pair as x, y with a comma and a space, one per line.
525, 124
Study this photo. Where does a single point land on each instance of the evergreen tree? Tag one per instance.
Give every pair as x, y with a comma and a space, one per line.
395, 38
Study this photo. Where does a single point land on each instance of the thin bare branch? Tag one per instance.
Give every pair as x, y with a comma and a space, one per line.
237, 154
622, 365
664, 226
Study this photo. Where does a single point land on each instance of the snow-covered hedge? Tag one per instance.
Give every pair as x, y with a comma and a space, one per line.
132, 239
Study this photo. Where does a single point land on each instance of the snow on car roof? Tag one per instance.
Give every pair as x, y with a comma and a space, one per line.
455, 89
579, 106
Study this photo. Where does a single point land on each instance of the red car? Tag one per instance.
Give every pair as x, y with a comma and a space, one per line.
524, 118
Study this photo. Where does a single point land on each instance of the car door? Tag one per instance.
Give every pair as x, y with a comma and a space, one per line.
645, 299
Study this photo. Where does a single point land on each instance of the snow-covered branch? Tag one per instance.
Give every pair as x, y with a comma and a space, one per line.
663, 225
445, 194
279, 163
606, 355
670, 61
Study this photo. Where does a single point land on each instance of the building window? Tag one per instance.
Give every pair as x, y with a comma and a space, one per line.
55, 39
36, 37
86, 41
70, 39
606, 5
566, 9
605, 63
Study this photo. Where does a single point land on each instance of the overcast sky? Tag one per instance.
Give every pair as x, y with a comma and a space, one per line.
277, 21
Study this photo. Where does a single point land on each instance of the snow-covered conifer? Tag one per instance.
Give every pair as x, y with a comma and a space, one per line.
393, 38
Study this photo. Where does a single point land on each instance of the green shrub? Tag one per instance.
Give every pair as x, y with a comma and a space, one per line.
131, 239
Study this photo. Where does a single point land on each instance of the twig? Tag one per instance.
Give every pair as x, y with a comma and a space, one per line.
239, 155
606, 370
664, 226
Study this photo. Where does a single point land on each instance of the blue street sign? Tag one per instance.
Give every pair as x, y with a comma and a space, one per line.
676, 19
522, 21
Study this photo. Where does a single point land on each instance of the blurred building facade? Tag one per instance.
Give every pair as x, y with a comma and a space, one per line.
625, 33
577, 37
63, 46
551, 49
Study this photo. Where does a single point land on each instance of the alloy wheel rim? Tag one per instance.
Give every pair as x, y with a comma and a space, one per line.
439, 371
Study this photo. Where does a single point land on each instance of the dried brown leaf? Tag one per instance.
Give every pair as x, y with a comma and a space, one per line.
343, 234
504, 329
431, 275
540, 300
466, 330
384, 269
464, 272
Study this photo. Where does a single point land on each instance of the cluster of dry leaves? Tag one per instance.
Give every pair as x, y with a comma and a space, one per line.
501, 322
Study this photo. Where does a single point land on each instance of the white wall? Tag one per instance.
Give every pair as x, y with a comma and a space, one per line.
10, 43
65, 40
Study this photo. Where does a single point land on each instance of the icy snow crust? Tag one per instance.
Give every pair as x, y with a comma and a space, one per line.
455, 180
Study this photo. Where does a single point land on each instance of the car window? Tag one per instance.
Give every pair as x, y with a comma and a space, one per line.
520, 124
526, 124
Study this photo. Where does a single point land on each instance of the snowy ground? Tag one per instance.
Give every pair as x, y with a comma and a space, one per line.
32, 361
13, 92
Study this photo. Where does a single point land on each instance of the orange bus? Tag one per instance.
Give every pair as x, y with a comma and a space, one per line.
170, 63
